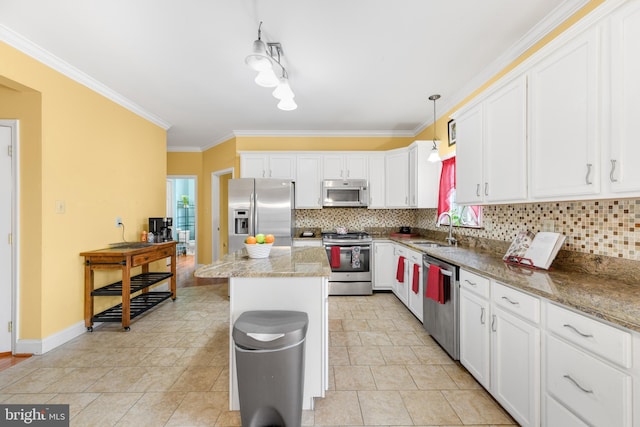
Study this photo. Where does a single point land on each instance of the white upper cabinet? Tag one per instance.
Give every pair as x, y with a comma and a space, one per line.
424, 176
268, 165
491, 164
620, 165
469, 180
397, 178
308, 185
345, 166
376, 181
564, 88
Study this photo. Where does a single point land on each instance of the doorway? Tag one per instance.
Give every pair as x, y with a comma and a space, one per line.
8, 213
181, 206
219, 203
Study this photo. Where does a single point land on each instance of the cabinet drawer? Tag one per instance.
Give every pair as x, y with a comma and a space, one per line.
414, 257
611, 343
475, 283
600, 394
150, 257
557, 415
526, 306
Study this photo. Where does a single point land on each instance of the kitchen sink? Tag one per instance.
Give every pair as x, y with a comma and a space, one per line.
428, 245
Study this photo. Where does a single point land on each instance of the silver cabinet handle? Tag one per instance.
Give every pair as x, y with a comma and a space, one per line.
478, 190
264, 173
511, 302
577, 384
348, 173
586, 178
486, 188
482, 315
613, 169
494, 327
470, 282
574, 329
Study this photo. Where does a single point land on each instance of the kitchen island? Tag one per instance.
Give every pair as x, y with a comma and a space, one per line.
291, 278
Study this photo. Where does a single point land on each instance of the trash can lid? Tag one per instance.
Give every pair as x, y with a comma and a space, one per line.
270, 329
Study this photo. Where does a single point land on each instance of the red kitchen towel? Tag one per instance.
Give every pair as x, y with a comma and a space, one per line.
335, 256
435, 284
415, 285
400, 271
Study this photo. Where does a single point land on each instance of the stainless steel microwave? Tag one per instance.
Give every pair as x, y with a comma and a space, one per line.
347, 193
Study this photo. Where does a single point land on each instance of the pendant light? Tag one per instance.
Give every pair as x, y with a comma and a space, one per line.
434, 156
262, 59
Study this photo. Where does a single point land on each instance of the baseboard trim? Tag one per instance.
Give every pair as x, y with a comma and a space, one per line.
51, 342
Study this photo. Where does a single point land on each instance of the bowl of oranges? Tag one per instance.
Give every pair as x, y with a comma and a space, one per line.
259, 246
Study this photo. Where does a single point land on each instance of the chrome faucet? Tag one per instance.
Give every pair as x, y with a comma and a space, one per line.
450, 239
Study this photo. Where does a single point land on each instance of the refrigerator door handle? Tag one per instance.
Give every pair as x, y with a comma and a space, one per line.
252, 211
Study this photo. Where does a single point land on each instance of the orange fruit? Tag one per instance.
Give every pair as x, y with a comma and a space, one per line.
269, 238
250, 240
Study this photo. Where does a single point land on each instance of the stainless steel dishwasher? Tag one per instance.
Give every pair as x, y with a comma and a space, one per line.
441, 320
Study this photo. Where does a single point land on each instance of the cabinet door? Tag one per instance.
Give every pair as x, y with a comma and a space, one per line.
308, 182
356, 166
563, 120
505, 143
254, 165
515, 366
415, 299
474, 336
469, 181
376, 182
397, 179
333, 167
282, 166
621, 167
400, 287
384, 269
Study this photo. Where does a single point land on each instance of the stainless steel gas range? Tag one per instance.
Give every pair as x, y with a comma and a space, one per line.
350, 259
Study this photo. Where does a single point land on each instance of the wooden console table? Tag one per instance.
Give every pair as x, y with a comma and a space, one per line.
125, 258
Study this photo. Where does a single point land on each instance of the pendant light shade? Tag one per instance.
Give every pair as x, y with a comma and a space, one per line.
258, 59
267, 78
287, 104
283, 90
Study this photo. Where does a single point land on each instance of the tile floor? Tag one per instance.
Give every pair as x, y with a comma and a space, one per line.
171, 370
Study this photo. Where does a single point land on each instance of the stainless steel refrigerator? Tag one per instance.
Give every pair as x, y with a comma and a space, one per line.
260, 206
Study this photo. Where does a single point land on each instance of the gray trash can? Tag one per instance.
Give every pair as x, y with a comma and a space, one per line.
269, 347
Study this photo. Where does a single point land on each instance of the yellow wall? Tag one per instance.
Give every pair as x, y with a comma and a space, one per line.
102, 160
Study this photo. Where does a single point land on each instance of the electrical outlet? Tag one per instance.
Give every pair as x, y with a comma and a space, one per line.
118, 221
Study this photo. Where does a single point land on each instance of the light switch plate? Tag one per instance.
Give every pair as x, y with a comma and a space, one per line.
548, 225
60, 206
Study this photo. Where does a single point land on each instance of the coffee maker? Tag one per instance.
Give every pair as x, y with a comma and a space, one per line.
161, 229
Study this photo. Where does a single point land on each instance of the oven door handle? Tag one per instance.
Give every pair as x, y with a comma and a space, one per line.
347, 245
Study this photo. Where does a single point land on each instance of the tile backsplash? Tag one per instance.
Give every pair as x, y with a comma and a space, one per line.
599, 227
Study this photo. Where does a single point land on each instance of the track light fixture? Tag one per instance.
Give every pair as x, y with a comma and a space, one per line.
434, 156
262, 59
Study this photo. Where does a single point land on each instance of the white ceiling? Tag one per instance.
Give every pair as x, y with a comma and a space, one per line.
357, 67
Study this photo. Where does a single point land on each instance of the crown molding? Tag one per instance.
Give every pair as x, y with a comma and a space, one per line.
325, 133
33, 50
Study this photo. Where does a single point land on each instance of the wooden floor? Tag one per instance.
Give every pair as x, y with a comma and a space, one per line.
185, 266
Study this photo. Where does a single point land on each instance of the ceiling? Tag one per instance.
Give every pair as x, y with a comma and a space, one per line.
357, 67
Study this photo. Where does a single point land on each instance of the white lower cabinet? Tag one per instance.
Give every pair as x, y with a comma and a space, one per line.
384, 272
500, 344
515, 365
400, 286
588, 371
414, 283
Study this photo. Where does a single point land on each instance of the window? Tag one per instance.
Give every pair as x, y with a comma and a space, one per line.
462, 216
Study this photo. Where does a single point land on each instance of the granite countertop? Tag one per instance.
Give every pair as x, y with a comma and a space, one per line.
612, 300
283, 261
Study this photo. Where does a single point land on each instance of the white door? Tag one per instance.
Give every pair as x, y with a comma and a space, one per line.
6, 259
